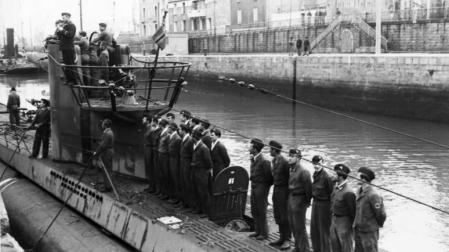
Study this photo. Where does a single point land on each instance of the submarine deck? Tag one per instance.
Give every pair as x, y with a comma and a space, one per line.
131, 193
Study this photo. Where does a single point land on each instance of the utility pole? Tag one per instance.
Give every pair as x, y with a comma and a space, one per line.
81, 15
378, 26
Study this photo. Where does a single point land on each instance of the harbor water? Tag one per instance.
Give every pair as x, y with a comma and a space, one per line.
404, 165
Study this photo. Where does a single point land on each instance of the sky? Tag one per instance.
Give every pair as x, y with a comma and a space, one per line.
34, 19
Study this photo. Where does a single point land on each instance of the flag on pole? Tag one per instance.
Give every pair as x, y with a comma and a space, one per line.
160, 37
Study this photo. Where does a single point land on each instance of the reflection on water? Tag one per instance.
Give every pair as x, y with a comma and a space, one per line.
28, 87
402, 164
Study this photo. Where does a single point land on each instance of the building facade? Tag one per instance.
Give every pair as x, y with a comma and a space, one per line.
199, 16
248, 14
151, 13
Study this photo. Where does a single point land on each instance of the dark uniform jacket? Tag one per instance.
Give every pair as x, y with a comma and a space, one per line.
260, 171
322, 186
155, 137
147, 136
163, 142
104, 36
66, 36
207, 140
220, 157
280, 170
186, 149
174, 146
42, 118
107, 141
300, 182
13, 101
201, 157
343, 201
370, 211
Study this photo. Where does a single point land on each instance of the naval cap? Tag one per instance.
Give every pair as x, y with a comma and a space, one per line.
257, 144
367, 173
295, 152
66, 14
46, 102
342, 169
103, 24
317, 159
275, 145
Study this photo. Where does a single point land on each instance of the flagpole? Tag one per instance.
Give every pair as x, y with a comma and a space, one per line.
153, 70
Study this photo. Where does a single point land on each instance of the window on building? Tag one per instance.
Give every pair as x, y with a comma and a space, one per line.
195, 5
183, 8
209, 24
255, 15
239, 16
175, 26
144, 30
143, 14
184, 25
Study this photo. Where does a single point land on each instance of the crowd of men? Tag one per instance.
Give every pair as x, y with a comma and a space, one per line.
182, 160
97, 52
340, 217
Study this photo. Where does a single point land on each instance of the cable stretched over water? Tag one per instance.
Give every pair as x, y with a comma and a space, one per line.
330, 168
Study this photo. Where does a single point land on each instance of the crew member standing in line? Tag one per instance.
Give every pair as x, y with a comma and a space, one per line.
343, 212
155, 137
186, 152
281, 171
206, 139
105, 151
306, 47
300, 194
163, 159
149, 126
170, 117
186, 117
261, 181
369, 215
42, 123
174, 146
322, 188
218, 152
202, 168
13, 106
66, 34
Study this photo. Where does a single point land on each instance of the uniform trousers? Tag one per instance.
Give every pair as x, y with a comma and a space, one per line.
188, 190
259, 202
366, 241
201, 183
320, 226
280, 196
149, 165
341, 234
174, 178
42, 136
297, 208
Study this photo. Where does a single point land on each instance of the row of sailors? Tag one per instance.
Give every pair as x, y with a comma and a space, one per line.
339, 216
180, 166
181, 161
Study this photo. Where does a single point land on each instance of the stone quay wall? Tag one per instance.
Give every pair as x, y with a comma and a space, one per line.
403, 36
414, 86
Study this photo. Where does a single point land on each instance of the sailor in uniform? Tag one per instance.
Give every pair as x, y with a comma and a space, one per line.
281, 171
343, 212
370, 213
